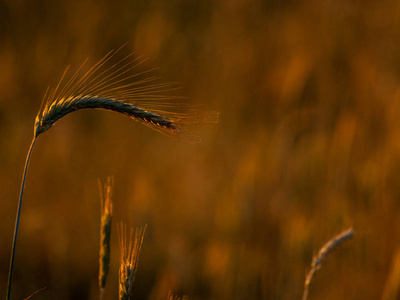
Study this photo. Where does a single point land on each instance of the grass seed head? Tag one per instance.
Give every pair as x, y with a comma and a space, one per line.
123, 89
105, 189
129, 260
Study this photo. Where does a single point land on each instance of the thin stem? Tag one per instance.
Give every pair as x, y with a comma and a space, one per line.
10, 272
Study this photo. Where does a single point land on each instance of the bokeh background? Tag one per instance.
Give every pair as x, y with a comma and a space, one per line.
308, 144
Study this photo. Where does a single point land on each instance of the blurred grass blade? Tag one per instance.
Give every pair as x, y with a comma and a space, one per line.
391, 291
322, 255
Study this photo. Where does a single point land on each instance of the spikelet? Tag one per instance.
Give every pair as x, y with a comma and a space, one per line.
129, 261
139, 96
105, 190
322, 254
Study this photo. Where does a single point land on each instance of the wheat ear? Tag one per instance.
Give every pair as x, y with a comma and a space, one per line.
129, 261
139, 96
105, 189
113, 88
322, 254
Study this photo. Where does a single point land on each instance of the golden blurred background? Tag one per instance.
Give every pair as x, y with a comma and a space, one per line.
308, 144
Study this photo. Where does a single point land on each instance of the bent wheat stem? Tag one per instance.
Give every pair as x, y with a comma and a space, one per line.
10, 272
114, 89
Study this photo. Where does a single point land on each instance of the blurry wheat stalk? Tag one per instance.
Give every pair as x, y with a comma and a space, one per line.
129, 260
322, 254
391, 291
114, 88
105, 189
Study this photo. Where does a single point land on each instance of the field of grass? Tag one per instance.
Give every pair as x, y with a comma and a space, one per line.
307, 145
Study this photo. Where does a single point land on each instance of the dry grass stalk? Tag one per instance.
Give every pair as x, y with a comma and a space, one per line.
105, 189
174, 297
129, 261
322, 254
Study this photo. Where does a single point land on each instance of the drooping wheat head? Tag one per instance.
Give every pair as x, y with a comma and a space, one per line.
114, 86
128, 261
105, 189
138, 96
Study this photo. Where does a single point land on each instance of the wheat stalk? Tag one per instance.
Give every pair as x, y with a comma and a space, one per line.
105, 190
114, 88
322, 254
